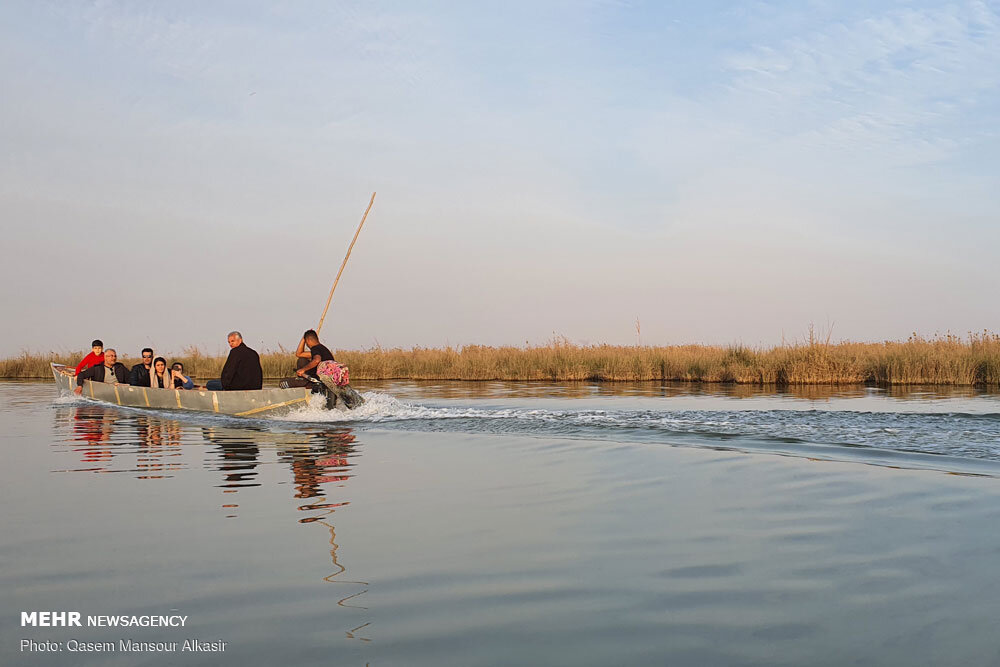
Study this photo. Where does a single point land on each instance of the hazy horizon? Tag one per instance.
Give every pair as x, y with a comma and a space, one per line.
720, 173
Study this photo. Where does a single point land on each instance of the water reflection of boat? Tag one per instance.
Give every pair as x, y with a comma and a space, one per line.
100, 435
319, 462
315, 458
152, 447
92, 427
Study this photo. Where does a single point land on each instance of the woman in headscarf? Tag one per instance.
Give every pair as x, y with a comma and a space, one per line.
160, 377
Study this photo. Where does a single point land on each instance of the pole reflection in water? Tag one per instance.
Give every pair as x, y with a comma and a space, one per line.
315, 458
153, 447
325, 460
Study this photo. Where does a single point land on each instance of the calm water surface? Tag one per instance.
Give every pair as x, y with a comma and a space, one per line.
499, 524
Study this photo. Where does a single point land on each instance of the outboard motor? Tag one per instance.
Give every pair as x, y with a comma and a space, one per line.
346, 395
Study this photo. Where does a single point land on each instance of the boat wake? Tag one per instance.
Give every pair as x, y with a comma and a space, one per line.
380, 407
946, 433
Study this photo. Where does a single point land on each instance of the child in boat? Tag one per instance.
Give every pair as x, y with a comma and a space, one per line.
95, 357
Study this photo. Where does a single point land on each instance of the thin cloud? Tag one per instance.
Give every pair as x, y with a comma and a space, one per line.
901, 75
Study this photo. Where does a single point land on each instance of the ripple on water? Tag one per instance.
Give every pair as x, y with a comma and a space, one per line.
818, 432
545, 533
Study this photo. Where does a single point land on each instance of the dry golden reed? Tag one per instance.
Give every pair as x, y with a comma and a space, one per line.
940, 360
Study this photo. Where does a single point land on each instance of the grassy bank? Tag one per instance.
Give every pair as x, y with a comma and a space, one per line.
945, 360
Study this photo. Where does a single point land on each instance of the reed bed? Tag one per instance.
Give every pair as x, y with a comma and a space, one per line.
940, 360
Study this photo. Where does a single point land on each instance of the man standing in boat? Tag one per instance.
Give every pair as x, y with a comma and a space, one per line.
110, 372
242, 369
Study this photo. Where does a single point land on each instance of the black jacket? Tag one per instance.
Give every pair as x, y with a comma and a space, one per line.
242, 369
139, 376
96, 374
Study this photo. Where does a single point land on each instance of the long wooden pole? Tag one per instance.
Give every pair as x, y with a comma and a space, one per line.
344, 263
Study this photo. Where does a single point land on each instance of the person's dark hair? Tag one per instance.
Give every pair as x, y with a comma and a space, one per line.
177, 363
97, 343
147, 349
160, 359
311, 333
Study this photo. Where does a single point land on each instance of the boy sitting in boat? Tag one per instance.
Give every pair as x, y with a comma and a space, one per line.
95, 358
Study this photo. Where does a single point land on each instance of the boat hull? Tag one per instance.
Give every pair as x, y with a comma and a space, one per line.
260, 403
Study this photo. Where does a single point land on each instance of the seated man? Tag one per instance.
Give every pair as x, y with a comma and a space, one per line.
242, 369
95, 358
308, 376
110, 372
181, 381
139, 375
317, 353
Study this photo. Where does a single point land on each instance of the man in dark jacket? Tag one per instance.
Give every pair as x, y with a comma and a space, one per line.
242, 369
110, 372
139, 375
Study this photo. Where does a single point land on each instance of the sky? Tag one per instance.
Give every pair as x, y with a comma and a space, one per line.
715, 172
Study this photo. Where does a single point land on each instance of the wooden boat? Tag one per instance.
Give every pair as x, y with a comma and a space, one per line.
260, 403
